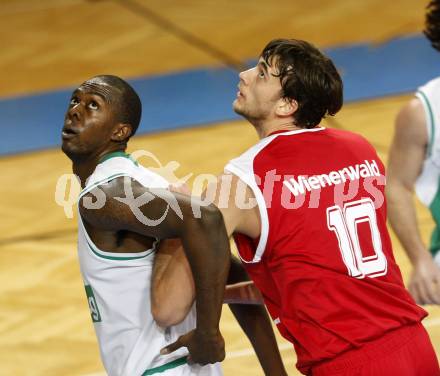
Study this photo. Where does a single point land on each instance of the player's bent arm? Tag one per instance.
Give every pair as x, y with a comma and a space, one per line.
172, 286
162, 214
405, 163
172, 266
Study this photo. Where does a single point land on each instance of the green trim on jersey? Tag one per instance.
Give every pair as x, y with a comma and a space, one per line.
175, 363
99, 253
435, 212
122, 154
106, 180
431, 121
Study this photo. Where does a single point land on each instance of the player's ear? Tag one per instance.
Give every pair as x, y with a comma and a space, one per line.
286, 107
122, 132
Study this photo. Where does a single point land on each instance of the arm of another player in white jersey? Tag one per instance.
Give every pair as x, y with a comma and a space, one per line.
405, 164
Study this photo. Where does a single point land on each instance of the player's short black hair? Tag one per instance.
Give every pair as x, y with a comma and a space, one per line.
432, 23
129, 104
307, 76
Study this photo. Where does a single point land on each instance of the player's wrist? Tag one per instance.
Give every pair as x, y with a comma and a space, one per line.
421, 256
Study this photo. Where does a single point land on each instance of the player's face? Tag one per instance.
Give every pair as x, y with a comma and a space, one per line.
259, 92
89, 120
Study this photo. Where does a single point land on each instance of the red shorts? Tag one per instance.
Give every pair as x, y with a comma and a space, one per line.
403, 352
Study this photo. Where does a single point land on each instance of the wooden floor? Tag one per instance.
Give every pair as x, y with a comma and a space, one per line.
45, 326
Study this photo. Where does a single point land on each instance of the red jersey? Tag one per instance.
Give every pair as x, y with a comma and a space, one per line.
323, 262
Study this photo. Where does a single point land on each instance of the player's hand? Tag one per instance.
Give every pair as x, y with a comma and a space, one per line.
424, 284
203, 348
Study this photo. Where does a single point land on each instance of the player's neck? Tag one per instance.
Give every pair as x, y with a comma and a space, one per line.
268, 128
83, 167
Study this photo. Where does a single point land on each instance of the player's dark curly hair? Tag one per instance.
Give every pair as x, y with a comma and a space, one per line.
432, 23
308, 77
128, 101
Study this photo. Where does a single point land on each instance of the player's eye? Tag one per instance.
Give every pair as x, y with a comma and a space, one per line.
93, 105
261, 74
74, 101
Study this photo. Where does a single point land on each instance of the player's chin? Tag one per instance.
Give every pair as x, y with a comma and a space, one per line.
71, 148
238, 109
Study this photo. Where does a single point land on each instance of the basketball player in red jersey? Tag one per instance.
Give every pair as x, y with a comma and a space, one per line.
307, 210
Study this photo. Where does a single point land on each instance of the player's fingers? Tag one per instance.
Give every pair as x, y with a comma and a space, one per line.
423, 293
430, 291
173, 347
413, 290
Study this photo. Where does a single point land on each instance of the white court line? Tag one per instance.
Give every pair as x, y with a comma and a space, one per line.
428, 323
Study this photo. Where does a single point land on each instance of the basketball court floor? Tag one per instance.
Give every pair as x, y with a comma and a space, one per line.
45, 326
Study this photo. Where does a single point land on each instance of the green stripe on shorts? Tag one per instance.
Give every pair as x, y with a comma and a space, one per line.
175, 363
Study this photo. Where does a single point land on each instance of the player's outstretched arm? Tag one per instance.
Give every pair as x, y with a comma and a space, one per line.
405, 164
162, 214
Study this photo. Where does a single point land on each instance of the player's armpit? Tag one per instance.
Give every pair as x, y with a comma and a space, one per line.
172, 286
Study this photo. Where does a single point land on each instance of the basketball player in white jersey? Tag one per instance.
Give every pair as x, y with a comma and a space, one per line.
116, 245
116, 249
414, 164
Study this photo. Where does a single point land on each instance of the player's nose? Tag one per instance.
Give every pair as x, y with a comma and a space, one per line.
74, 113
243, 76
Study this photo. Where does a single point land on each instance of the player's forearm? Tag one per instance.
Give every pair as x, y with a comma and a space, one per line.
403, 219
207, 248
255, 322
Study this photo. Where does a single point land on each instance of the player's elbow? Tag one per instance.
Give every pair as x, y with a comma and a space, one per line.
212, 217
168, 314
396, 190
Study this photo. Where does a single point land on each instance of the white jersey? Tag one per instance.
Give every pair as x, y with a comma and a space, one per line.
428, 181
118, 292
427, 184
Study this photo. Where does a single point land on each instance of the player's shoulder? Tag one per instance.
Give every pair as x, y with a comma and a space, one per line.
341, 136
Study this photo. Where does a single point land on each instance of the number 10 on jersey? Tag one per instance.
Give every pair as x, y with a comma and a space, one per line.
344, 222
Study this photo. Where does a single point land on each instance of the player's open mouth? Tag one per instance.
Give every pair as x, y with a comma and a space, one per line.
68, 133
